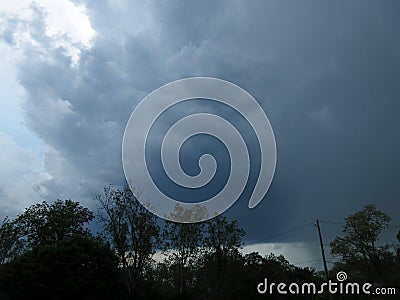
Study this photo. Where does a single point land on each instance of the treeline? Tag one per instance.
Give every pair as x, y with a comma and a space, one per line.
47, 252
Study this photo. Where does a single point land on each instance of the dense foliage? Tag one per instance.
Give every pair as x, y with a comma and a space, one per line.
47, 252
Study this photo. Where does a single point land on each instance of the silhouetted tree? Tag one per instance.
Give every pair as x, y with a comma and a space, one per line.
358, 248
183, 245
48, 253
132, 230
44, 223
223, 240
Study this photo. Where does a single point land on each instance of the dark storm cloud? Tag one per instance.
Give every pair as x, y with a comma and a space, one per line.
326, 73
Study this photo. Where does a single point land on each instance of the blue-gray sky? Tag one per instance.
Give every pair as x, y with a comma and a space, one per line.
326, 73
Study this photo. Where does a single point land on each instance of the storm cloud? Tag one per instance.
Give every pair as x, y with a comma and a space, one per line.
326, 73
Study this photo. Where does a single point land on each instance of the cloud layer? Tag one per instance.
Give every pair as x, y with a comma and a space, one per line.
325, 73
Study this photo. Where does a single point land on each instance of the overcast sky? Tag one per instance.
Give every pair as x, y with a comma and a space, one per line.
327, 75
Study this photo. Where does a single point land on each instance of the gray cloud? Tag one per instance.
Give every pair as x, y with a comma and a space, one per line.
326, 74
21, 170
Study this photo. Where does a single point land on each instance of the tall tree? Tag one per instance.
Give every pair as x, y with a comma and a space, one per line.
44, 223
223, 236
222, 241
132, 230
358, 247
183, 245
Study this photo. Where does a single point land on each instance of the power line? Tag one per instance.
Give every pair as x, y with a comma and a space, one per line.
333, 223
329, 260
301, 227
313, 262
283, 233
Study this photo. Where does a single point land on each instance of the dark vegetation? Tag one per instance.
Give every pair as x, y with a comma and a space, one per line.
47, 252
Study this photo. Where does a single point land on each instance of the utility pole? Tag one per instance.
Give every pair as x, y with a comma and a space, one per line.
322, 250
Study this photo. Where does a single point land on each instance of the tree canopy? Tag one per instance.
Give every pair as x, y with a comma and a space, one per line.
48, 252
358, 247
45, 223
